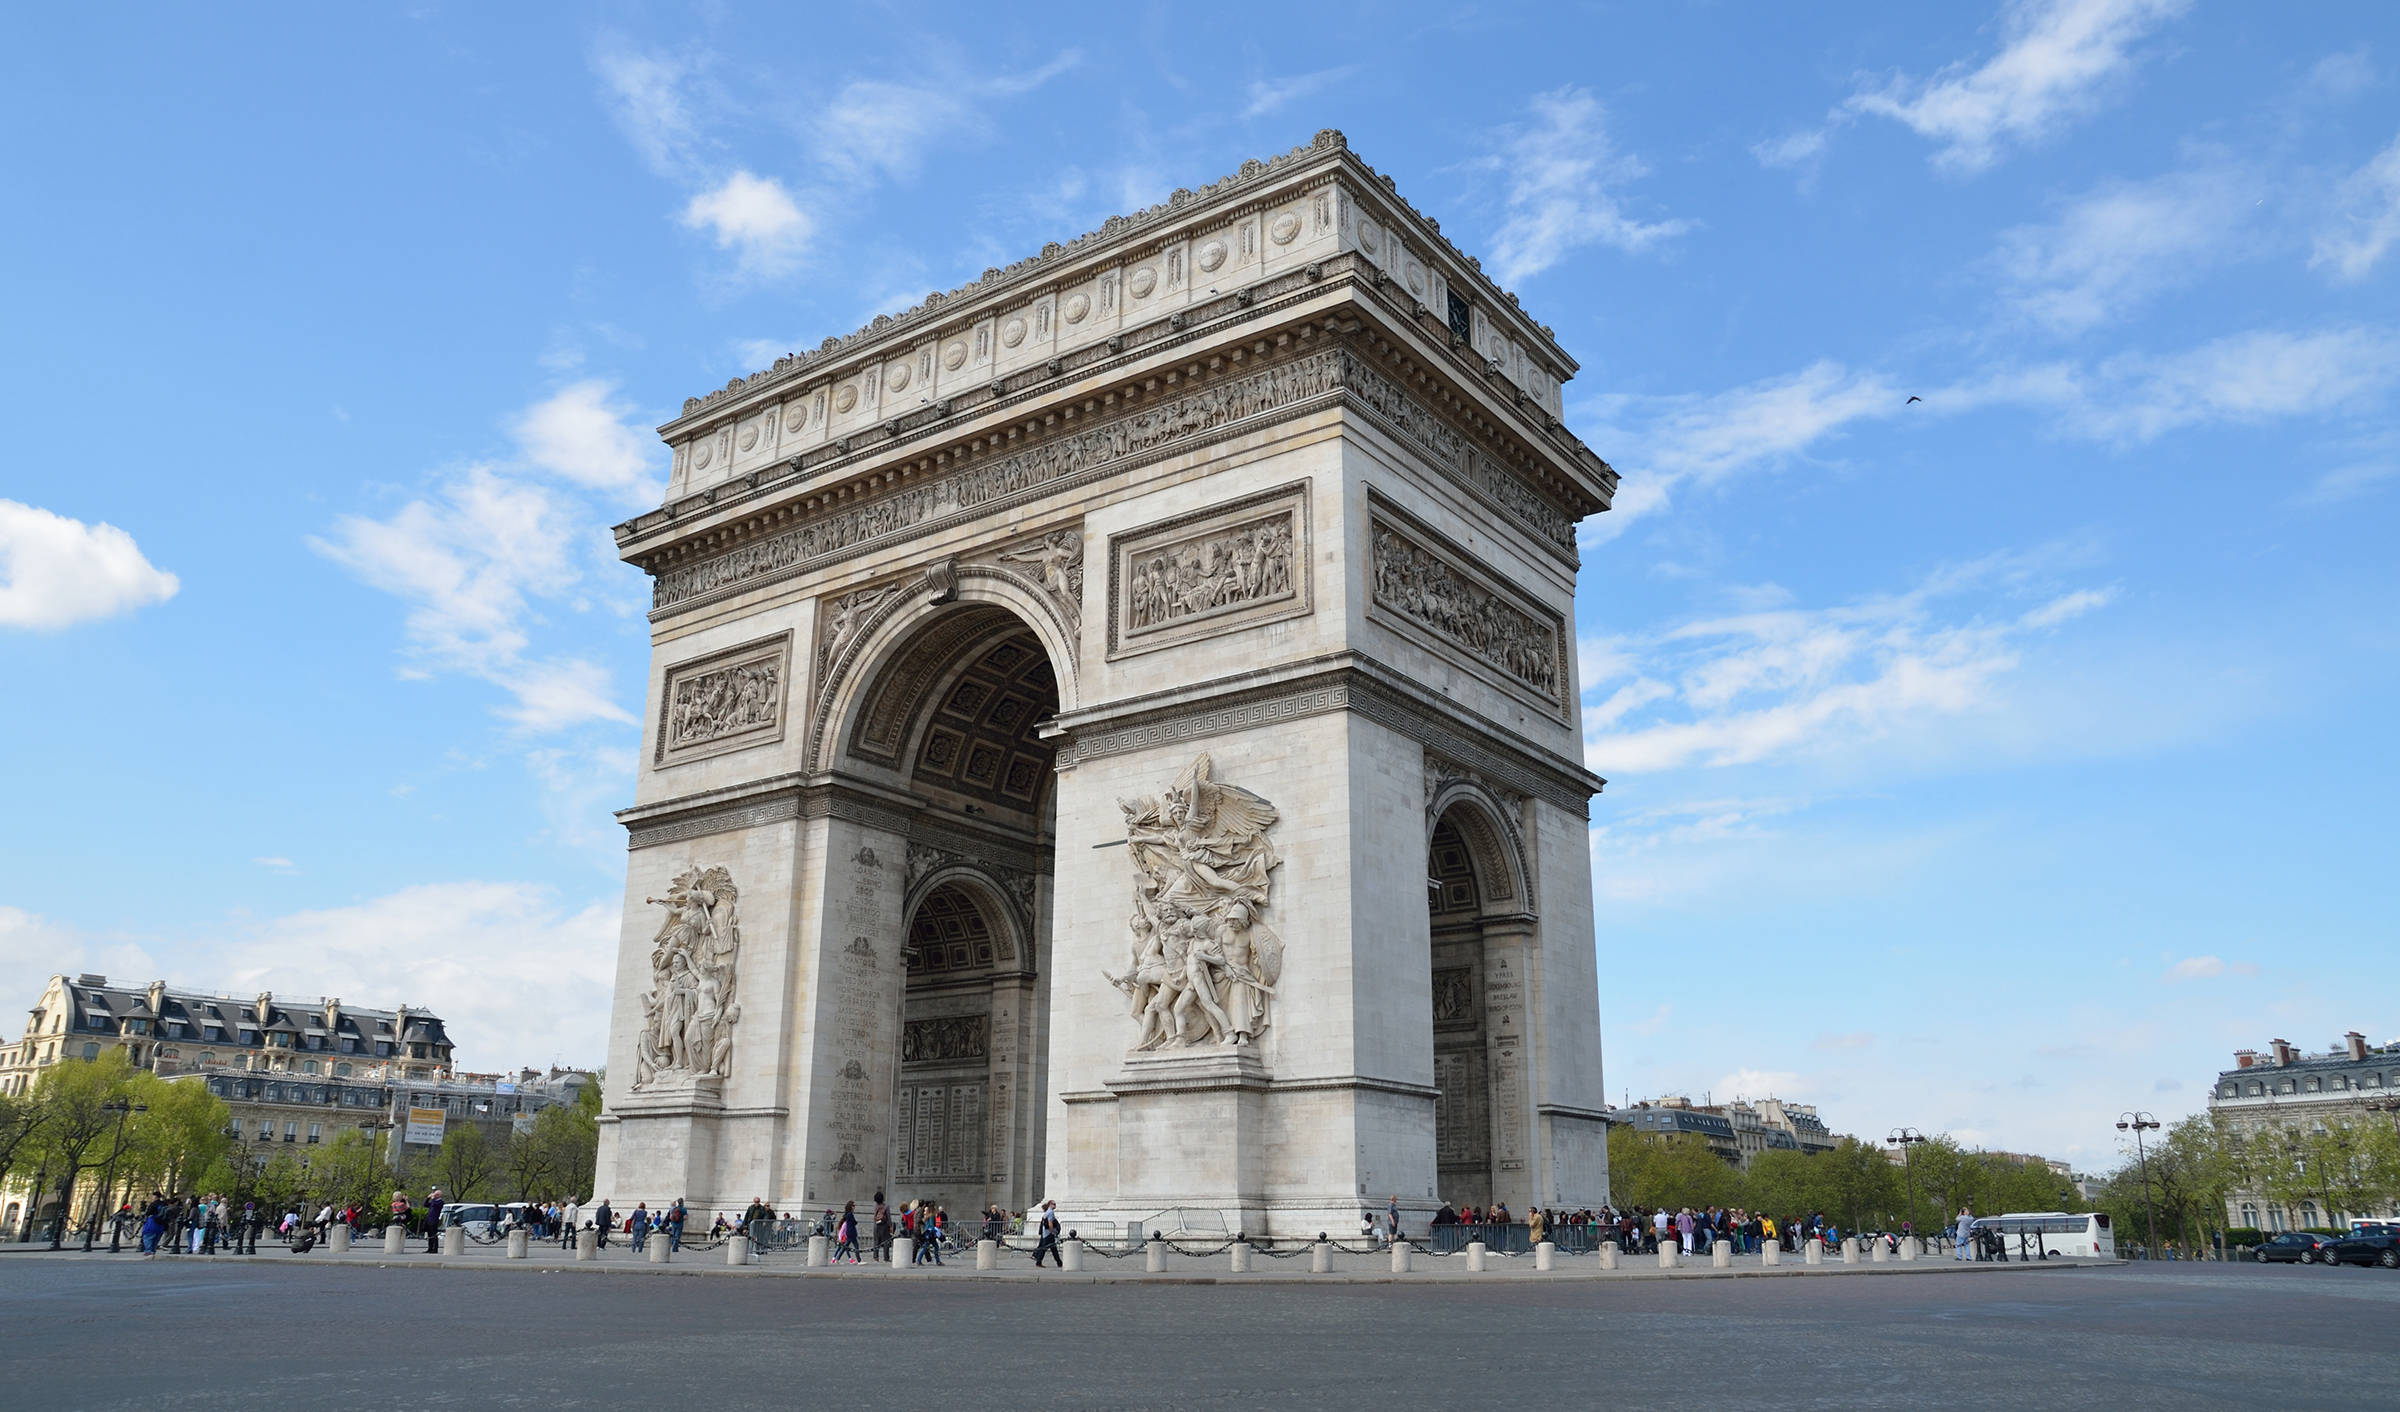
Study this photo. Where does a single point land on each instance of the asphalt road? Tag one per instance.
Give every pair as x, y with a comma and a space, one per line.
185, 1334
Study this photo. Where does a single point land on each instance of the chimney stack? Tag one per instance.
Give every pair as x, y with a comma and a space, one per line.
2244, 1058
2283, 1050
2358, 1044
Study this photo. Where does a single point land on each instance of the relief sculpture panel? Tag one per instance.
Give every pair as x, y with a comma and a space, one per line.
1198, 575
1429, 591
726, 701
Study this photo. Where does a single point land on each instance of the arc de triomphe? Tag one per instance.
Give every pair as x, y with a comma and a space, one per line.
1112, 736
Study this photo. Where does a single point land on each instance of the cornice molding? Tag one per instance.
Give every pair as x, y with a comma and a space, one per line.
1343, 682
1120, 238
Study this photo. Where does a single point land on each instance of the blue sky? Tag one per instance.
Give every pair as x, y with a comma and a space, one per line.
1989, 763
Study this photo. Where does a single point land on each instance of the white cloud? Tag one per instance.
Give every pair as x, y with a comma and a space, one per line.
1562, 170
276, 865
1757, 686
1757, 1083
877, 128
1794, 149
1662, 442
2348, 482
1838, 1043
1267, 95
2245, 378
578, 433
468, 560
2196, 968
652, 106
55, 572
756, 218
2367, 218
2123, 243
2060, 61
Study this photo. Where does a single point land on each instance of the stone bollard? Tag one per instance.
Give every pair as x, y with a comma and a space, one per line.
587, 1243
1812, 1251
1908, 1247
454, 1241
1154, 1257
660, 1251
820, 1250
1240, 1263
1720, 1255
1320, 1258
520, 1243
339, 1241
1070, 1255
1666, 1255
902, 1244
1545, 1255
395, 1240
1608, 1255
1475, 1253
1770, 1254
1878, 1252
1400, 1257
737, 1250
1850, 1250
987, 1255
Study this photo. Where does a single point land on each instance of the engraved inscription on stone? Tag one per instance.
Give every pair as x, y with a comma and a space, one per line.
1428, 590
1462, 1124
1198, 575
725, 701
941, 1132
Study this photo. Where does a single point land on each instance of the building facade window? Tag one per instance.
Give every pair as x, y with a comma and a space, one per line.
2250, 1214
316, 1131
91, 1051
291, 1132
308, 1066
341, 1071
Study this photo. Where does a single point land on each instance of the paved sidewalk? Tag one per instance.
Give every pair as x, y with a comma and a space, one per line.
1015, 1267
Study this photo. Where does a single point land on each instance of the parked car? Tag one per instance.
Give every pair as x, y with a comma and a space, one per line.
2374, 1245
2299, 1247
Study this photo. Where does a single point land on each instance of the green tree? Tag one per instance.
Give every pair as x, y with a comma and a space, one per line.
348, 1171
1855, 1184
85, 1126
21, 1117
464, 1163
177, 1137
1667, 1169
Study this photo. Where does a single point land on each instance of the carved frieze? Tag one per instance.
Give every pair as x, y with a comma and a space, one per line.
725, 701
690, 1010
1209, 572
946, 1039
1171, 421
1054, 561
1103, 447
1509, 638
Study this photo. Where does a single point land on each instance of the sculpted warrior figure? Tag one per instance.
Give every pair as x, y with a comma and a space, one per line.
689, 1012
1204, 965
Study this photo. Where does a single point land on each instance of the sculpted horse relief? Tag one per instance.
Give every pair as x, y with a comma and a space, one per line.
1204, 961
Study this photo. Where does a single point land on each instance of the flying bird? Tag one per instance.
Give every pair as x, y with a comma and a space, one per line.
1912, 399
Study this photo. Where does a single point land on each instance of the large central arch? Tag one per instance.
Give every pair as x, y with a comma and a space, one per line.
943, 705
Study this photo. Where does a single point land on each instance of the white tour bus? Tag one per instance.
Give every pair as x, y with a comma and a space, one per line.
2029, 1235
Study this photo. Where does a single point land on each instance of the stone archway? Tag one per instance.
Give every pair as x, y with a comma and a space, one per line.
947, 710
1480, 932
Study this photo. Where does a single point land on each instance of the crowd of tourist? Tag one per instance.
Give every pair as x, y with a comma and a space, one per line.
1645, 1230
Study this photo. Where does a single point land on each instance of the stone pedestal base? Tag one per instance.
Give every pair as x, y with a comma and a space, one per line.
1320, 1258
1720, 1255
1475, 1253
660, 1251
737, 1250
395, 1240
587, 1244
1400, 1253
1070, 1255
339, 1241
1608, 1255
1770, 1254
987, 1255
520, 1244
1545, 1255
454, 1241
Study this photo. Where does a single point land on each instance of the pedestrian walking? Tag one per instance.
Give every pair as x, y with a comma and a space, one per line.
1048, 1244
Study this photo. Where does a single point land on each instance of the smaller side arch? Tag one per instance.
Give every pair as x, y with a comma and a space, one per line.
1014, 944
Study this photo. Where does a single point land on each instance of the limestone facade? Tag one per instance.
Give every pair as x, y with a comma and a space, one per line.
947, 615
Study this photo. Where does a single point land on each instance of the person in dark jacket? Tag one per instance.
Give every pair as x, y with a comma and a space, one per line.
433, 1221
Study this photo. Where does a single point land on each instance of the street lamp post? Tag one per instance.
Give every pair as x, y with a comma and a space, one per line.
1906, 1139
2138, 1123
116, 1228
